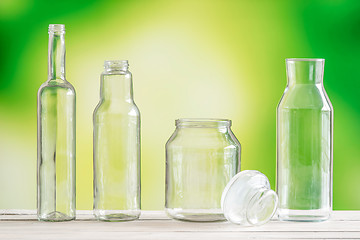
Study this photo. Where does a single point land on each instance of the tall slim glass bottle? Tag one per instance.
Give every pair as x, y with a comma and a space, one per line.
56, 136
304, 144
116, 147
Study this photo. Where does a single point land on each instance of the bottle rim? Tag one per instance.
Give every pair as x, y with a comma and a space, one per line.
57, 28
202, 122
116, 64
305, 59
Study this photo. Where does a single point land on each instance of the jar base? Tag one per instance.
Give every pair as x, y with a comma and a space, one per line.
303, 215
116, 215
195, 215
55, 217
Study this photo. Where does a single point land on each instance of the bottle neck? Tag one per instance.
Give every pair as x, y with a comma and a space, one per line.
56, 55
305, 71
116, 86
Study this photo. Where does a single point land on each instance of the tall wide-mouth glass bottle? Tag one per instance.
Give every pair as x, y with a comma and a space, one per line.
202, 155
304, 144
116, 146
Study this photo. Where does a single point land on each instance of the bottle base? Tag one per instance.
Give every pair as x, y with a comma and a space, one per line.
55, 217
303, 215
196, 215
116, 215
262, 207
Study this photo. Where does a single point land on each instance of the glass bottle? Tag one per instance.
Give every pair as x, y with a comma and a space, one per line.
304, 144
248, 199
202, 155
56, 136
116, 147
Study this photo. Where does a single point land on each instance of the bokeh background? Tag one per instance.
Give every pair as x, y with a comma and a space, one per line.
211, 58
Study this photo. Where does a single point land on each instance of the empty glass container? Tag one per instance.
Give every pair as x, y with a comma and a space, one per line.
202, 155
116, 147
56, 136
248, 199
304, 144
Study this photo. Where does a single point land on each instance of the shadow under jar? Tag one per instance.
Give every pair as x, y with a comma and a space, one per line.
202, 155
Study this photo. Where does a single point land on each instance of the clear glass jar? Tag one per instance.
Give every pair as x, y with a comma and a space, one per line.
56, 136
248, 199
202, 155
116, 147
304, 144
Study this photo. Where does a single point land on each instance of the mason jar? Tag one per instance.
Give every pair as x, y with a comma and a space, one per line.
202, 155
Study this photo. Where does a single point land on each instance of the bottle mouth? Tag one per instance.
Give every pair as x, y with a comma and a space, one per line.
305, 70
57, 28
305, 60
116, 65
202, 122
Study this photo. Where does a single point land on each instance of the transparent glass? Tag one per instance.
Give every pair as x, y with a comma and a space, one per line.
304, 144
116, 147
202, 155
56, 137
248, 200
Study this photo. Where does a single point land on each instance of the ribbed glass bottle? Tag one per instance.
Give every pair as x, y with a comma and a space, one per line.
116, 147
304, 144
56, 136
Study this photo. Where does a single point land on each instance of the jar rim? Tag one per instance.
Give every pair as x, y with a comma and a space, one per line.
202, 122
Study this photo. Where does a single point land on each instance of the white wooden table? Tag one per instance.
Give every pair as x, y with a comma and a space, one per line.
156, 225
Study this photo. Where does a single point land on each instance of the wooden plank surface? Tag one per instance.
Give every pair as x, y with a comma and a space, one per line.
21, 224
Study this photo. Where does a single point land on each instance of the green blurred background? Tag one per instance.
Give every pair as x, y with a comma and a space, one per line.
211, 58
